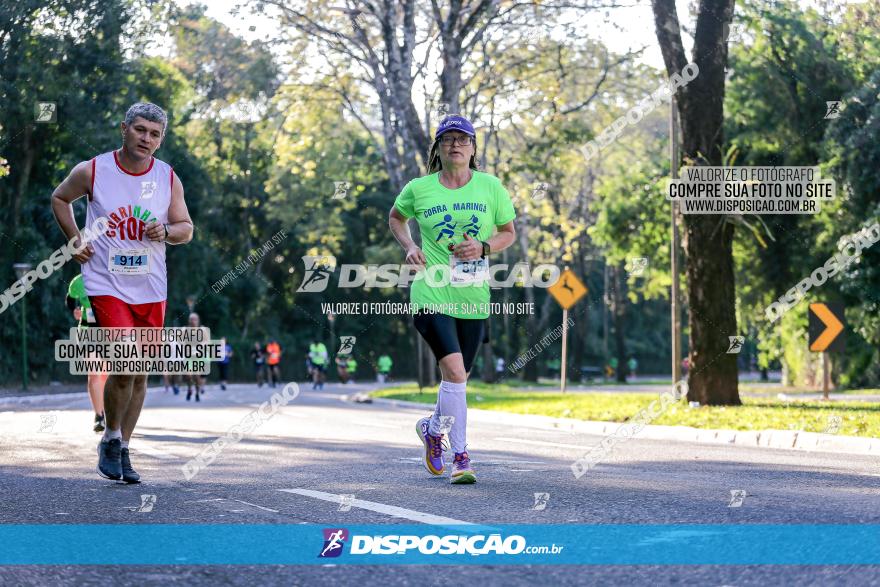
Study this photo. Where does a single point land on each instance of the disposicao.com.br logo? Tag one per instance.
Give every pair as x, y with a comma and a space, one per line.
402, 544
319, 268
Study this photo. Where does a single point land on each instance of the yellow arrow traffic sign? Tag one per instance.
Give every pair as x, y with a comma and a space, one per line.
826, 323
568, 290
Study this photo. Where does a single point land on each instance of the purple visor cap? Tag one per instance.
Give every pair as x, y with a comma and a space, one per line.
455, 122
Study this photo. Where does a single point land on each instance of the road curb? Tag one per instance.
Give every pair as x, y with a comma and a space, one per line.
778, 439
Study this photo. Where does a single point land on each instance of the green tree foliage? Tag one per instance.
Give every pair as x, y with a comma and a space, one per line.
262, 148
786, 67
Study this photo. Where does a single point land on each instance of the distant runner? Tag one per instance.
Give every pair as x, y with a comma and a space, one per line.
224, 365
318, 356
351, 366
78, 303
258, 357
194, 379
273, 359
384, 368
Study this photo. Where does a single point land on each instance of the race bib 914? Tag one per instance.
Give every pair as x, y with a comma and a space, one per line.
129, 261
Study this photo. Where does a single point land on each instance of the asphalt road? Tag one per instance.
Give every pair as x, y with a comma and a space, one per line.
293, 467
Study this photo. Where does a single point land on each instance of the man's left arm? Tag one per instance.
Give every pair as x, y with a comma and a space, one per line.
179, 228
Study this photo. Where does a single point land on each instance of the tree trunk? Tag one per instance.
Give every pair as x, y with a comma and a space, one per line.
530, 372
488, 364
450, 77
708, 239
23, 169
712, 378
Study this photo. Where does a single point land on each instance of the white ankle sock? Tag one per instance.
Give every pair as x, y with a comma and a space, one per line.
111, 434
452, 401
124, 444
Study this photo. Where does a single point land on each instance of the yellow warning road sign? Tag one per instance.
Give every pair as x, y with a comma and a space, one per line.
826, 324
568, 290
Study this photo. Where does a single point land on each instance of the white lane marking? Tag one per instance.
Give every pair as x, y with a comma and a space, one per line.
541, 443
375, 424
255, 505
142, 447
388, 510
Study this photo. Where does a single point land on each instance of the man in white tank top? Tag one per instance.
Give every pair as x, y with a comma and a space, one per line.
124, 269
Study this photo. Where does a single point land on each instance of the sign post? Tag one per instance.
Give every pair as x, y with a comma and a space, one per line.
564, 348
567, 291
827, 321
825, 377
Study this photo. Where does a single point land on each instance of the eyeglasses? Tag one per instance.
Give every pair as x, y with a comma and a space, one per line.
448, 140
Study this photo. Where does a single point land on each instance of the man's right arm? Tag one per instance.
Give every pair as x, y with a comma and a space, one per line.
75, 186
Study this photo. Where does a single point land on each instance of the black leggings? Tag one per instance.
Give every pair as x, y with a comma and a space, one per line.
446, 335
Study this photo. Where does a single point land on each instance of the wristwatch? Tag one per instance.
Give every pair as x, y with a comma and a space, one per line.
486, 248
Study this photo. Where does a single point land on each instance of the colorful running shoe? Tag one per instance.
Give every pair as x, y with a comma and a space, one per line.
462, 472
433, 447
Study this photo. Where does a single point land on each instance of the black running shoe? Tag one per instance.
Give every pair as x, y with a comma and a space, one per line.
129, 475
189, 394
99, 423
110, 459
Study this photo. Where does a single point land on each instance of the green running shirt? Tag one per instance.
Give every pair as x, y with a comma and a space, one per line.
77, 291
444, 216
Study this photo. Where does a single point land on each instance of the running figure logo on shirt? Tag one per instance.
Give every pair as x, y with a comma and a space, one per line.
334, 539
472, 228
448, 229
148, 189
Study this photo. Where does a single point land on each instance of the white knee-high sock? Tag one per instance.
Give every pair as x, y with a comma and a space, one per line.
452, 401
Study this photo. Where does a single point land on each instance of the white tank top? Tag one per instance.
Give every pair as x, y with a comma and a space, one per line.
127, 264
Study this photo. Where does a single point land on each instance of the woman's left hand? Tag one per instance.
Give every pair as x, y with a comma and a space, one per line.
468, 249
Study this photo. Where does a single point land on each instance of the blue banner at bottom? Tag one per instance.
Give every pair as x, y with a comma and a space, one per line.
172, 544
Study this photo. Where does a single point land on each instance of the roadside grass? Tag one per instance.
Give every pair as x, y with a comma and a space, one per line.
763, 388
856, 418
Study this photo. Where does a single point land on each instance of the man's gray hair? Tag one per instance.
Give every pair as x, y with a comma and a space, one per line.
147, 111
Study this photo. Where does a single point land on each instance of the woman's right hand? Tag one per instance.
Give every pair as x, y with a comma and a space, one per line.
415, 256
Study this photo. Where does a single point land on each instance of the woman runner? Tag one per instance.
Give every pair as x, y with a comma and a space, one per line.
457, 207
